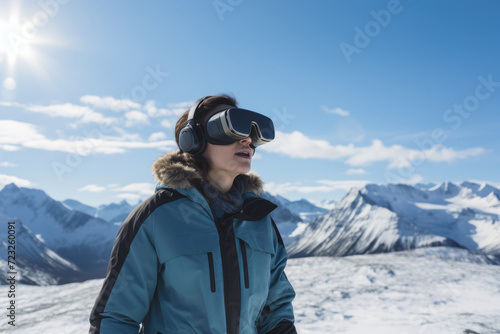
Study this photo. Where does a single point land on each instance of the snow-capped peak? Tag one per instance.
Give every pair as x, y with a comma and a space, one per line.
75, 236
389, 217
10, 187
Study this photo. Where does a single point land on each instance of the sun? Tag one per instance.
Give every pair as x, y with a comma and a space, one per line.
19, 38
14, 46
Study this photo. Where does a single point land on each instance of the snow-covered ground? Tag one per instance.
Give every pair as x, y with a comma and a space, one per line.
434, 290
429, 290
61, 309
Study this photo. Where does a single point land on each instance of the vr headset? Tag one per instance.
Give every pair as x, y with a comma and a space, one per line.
224, 128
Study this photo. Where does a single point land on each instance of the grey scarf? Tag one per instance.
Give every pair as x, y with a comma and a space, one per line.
222, 203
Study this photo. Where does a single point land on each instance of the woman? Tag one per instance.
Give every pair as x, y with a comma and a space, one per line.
201, 255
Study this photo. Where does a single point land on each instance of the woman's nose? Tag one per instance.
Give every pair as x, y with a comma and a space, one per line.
246, 140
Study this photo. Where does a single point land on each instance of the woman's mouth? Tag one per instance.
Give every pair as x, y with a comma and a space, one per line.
244, 154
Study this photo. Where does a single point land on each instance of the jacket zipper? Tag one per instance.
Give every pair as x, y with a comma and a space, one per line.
245, 263
230, 270
230, 274
212, 272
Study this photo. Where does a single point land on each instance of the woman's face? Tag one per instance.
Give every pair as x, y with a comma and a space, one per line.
229, 160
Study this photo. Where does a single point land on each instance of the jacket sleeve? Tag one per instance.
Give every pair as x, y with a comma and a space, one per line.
277, 315
128, 289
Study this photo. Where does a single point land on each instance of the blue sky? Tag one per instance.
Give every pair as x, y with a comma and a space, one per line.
365, 91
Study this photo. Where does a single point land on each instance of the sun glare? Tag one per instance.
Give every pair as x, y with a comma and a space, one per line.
13, 45
20, 35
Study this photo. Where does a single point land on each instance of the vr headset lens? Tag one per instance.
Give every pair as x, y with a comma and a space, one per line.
234, 124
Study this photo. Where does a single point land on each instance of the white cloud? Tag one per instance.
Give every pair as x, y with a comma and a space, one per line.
125, 136
85, 147
8, 179
110, 103
168, 123
92, 188
68, 110
172, 109
412, 180
364, 156
131, 197
22, 134
401, 157
297, 145
7, 164
144, 188
283, 188
344, 184
134, 191
168, 148
155, 136
177, 109
81, 147
324, 186
11, 104
336, 111
10, 148
440, 153
152, 111
356, 171
136, 118
257, 156
16, 133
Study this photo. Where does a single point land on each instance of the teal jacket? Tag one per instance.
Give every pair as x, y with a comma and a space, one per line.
176, 269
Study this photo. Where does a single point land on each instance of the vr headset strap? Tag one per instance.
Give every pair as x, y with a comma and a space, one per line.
194, 108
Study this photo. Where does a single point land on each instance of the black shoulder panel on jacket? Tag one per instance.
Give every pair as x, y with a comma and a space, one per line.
284, 327
280, 240
121, 247
255, 209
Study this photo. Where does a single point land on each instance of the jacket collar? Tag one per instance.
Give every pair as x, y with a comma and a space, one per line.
175, 171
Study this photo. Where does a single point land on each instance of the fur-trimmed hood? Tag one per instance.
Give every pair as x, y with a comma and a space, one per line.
174, 170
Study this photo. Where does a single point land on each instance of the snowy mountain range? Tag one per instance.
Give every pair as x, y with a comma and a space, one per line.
35, 263
66, 239
61, 242
113, 213
393, 217
69, 241
290, 215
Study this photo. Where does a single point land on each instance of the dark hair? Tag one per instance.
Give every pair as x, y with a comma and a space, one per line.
200, 163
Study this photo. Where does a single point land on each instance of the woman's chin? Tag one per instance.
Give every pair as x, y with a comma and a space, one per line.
246, 169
